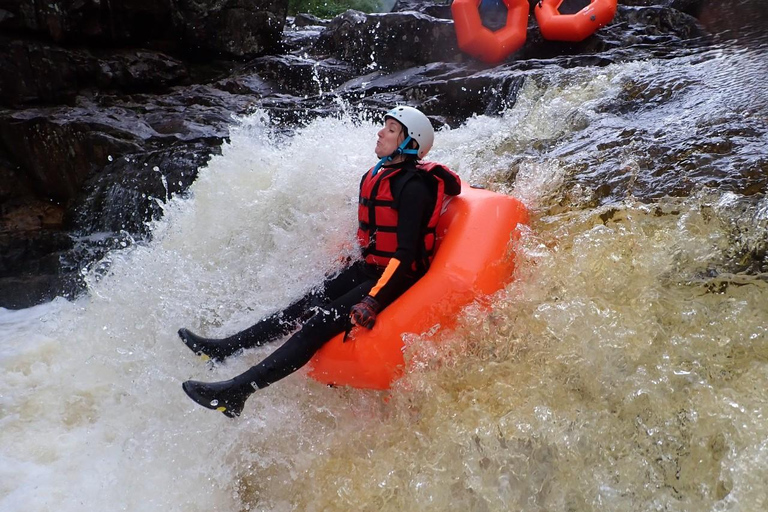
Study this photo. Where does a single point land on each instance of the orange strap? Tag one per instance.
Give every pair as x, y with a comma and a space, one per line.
392, 266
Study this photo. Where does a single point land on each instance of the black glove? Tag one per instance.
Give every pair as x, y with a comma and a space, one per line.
364, 312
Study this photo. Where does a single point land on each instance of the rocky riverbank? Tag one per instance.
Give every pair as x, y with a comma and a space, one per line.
108, 109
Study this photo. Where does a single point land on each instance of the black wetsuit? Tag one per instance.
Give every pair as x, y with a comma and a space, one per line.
324, 312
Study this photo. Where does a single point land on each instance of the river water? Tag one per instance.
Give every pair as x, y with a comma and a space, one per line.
624, 368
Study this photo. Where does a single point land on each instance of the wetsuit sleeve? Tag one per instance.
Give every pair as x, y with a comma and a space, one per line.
415, 204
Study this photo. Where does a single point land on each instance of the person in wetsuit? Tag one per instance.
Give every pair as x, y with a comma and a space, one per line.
400, 202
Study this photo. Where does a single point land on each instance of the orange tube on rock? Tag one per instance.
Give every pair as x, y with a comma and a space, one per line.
573, 27
481, 42
473, 259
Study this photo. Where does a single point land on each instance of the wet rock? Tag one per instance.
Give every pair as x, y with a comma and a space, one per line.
691, 7
245, 84
174, 133
60, 147
656, 22
306, 20
14, 182
234, 27
30, 270
301, 34
131, 190
743, 21
128, 43
107, 163
116, 138
389, 41
31, 238
38, 72
299, 76
23, 217
437, 10
240, 28
635, 33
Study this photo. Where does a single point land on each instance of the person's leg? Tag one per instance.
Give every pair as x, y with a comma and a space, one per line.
278, 324
266, 330
229, 396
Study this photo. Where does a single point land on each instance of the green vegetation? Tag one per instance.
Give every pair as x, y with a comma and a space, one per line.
327, 9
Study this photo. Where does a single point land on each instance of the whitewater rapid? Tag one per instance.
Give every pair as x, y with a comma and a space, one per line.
614, 373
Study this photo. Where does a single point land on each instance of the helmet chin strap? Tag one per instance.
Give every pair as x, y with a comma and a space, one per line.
401, 150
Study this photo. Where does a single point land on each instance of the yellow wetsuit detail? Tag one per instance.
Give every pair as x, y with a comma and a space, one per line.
392, 266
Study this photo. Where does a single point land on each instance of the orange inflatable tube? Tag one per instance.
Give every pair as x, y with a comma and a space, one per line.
482, 43
573, 27
473, 259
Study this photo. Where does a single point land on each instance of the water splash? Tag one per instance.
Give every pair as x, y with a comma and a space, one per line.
623, 369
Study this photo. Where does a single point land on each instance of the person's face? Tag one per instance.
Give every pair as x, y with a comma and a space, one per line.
389, 138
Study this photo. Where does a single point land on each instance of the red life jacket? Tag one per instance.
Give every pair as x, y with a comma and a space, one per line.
377, 216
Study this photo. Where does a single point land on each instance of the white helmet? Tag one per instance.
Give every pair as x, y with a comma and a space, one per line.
418, 126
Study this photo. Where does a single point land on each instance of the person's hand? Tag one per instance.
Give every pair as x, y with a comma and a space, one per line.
364, 312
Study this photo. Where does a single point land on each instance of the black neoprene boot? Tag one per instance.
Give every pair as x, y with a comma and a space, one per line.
228, 396
216, 350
